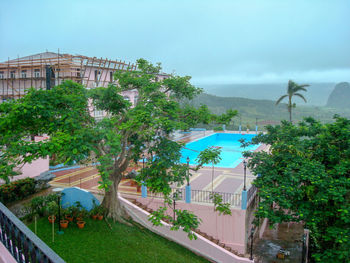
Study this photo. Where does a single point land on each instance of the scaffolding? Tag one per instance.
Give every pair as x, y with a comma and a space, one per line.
44, 70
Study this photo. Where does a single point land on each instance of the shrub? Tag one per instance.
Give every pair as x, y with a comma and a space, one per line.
17, 190
39, 203
218, 128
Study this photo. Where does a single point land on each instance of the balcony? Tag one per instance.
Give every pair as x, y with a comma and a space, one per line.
21, 242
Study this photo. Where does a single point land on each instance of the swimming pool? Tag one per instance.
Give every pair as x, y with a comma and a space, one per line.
231, 152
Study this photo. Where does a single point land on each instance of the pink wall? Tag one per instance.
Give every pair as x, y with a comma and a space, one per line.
230, 230
36, 167
201, 245
5, 256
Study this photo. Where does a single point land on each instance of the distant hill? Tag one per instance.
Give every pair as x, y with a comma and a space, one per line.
317, 94
340, 96
265, 110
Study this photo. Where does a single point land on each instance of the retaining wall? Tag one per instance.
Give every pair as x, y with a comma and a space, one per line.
201, 246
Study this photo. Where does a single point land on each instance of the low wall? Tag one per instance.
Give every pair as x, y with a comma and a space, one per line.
229, 229
5, 256
200, 246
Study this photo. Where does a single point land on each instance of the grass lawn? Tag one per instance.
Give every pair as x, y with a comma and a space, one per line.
97, 242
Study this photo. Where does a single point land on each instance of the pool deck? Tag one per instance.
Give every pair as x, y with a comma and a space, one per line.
227, 180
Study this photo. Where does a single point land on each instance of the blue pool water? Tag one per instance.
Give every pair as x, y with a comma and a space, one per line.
231, 152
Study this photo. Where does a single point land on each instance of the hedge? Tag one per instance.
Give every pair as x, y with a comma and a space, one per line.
17, 190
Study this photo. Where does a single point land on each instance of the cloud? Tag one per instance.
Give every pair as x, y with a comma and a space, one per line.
332, 75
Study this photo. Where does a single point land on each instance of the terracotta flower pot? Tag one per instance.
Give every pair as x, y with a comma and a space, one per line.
79, 219
64, 223
94, 217
81, 224
52, 219
99, 217
69, 218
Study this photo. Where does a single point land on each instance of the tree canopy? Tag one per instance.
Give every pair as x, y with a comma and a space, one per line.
121, 138
305, 177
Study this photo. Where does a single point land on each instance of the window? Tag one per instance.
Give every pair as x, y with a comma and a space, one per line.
23, 74
111, 76
78, 72
36, 73
13, 74
98, 114
1, 74
97, 75
126, 98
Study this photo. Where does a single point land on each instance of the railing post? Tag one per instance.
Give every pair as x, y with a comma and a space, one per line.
244, 200
188, 194
143, 190
240, 128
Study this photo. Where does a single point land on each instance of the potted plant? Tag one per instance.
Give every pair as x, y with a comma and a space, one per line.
101, 211
52, 209
68, 215
64, 223
80, 218
82, 214
81, 224
73, 211
94, 210
65, 213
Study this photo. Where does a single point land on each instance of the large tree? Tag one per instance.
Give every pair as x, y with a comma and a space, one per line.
305, 177
122, 137
293, 89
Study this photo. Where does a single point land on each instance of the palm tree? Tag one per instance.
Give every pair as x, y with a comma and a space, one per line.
292, 90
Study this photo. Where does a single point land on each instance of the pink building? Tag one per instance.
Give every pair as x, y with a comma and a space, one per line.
45, 70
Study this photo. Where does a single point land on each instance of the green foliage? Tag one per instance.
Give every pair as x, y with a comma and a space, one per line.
60, 113
210, 155
218, 128
160, 214
305, 177
52, 208
187, 221
219, 206
17, 190
38, 204
293, 89
265, 110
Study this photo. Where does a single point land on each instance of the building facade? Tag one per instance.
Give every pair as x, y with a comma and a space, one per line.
45, 70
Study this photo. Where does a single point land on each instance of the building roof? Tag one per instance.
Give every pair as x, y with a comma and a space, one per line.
42, 55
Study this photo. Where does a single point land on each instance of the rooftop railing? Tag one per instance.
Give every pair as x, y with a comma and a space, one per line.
201, 196
21, 242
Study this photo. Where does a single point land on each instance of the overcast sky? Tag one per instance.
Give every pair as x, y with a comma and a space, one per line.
213, 41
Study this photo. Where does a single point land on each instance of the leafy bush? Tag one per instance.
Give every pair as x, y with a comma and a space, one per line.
39, 203
218, 128
17, 190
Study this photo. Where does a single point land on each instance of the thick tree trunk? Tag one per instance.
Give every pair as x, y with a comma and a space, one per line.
111, 202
